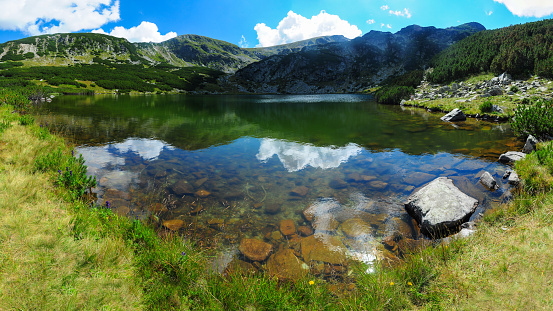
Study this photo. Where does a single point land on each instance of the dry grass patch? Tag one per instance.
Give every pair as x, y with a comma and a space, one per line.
42, 265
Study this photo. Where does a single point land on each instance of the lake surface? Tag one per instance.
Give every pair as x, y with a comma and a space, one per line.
223, 168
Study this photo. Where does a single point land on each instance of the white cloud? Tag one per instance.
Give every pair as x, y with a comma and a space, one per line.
529, 8
404, 13
489, 13
388, 26
385, 25
243, 42
370, 21
384, 7
295, 27
53, 16
145, 32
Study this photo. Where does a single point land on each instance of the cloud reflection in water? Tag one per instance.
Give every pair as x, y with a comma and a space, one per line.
295, 156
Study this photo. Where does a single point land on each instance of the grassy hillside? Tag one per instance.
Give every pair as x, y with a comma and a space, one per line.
519, 50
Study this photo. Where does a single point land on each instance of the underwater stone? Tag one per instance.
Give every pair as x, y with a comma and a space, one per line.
255, 250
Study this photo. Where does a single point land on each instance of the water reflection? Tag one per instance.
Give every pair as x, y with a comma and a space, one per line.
336, 169
295, 156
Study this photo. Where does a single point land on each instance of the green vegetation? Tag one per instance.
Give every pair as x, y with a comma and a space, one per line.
112, 76
486, 106
534, 119
519, 50
398, 88
56, 251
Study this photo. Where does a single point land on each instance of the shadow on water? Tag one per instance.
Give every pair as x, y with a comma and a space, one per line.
278, 168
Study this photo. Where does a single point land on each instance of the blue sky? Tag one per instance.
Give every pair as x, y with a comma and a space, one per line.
255, 23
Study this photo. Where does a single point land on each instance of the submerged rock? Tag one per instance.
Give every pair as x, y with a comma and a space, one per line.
255, 250
488, 181
300, 191
181, 188
356, 228
325, 248
287, 227
440, 207
174, 224
286, 266
455, 115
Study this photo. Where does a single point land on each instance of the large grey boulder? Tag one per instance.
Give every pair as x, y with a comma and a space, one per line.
440, 207
454, 115
495, 91
511, 157
530, 144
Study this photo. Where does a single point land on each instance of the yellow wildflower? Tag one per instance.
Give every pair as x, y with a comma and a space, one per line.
409, 283
391, 283
311, 282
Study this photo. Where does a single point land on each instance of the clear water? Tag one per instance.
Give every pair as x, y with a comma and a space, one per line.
235, 166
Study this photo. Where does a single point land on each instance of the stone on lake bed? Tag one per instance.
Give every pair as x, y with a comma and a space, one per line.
325, 248
255, 250
203, 193
287, 227
440, 207
286, 266
356, 228
325, 222
174, 224
181, 188
305, 231
378, 185
300, 191
272, 208
337, 184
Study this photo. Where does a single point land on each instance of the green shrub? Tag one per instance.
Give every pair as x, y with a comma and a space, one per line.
514, 89
486, 106
26, 120
392, 95
536, 119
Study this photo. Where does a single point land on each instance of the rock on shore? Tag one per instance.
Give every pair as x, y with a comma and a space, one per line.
440, 207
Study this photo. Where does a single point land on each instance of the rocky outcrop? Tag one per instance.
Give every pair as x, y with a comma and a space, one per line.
455, 115
469, 91
511, 157
530, 144
440, 207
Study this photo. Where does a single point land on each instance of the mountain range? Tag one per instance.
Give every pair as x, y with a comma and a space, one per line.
319, 65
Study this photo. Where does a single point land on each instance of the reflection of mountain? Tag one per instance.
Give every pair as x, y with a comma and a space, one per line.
295, 156
198, 122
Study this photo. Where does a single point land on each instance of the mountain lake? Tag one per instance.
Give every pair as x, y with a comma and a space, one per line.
220, 169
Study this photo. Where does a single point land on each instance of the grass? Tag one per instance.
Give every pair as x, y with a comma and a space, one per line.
58, 253
42, 265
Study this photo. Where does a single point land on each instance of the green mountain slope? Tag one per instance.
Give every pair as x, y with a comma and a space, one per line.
519, 50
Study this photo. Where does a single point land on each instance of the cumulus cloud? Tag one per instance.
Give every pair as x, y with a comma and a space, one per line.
529, 8
295, 27
384, 7
404, 13
52, 16
370, 21
145, 32
489, 13
385, 25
